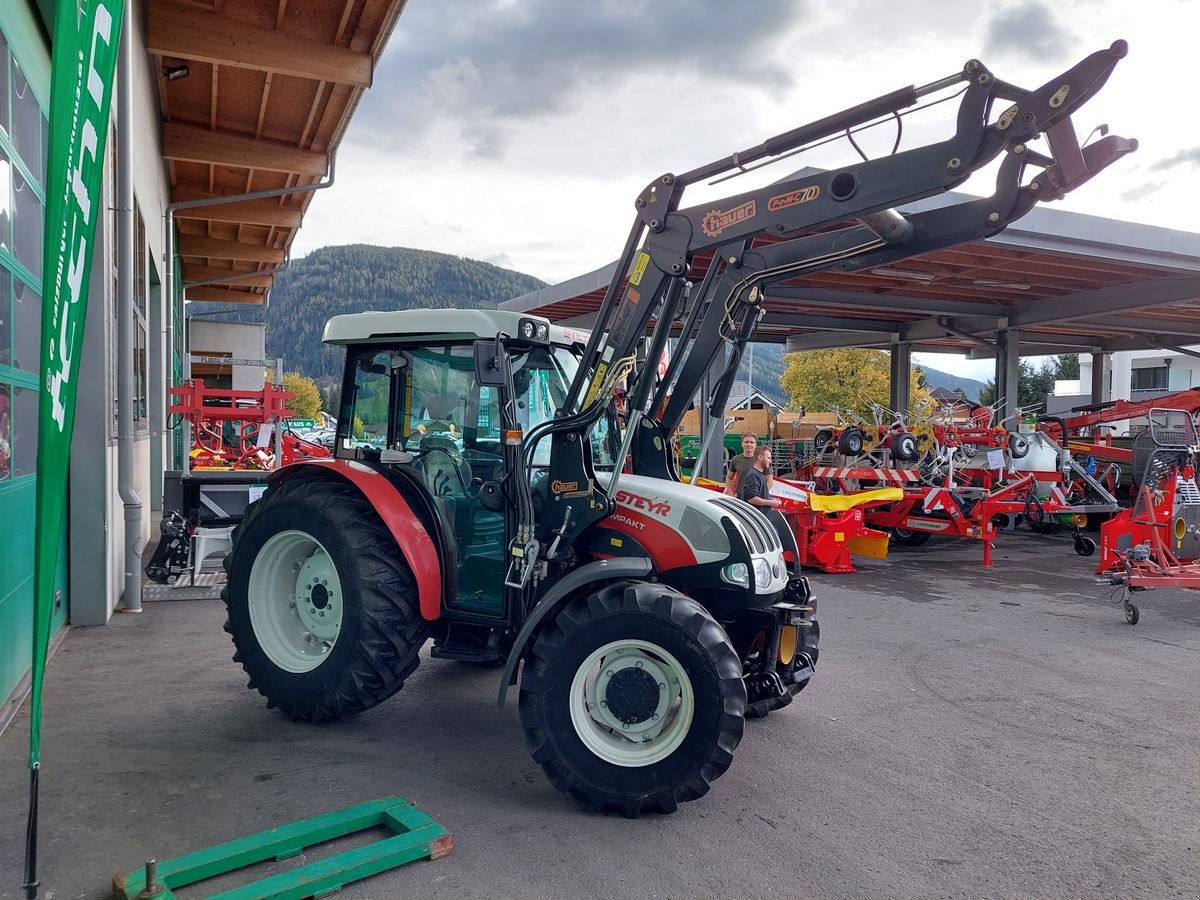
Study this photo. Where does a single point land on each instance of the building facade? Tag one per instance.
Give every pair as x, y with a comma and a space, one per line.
235, 111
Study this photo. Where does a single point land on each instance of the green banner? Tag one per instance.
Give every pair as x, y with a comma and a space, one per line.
86, 37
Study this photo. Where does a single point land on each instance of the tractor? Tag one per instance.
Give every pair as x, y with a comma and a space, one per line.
488, 491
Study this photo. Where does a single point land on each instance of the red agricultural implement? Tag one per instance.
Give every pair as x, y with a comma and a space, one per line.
1156, 542
228, 432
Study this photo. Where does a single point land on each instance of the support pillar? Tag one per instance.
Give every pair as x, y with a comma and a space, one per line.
712, 464
901, 378
1008, 370
1099, 381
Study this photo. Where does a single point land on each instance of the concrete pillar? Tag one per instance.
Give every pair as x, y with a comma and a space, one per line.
1121, 385
1099, 380
901, 380
1122, 375
1008, 368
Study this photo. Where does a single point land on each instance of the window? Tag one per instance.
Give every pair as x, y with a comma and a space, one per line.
5, 320
24, 416
27, 325
27, 224
5, 432
140, 381
1150, 379
26, 123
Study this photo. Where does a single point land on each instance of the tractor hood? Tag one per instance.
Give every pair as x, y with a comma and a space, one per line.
665, 511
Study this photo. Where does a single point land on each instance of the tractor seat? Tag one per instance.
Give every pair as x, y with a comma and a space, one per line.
836, 503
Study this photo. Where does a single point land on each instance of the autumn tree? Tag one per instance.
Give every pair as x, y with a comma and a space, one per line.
307, 402
845, 378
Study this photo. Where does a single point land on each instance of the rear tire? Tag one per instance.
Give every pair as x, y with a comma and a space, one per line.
633, 699
322, 606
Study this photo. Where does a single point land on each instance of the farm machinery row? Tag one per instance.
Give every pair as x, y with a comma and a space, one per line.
969, 478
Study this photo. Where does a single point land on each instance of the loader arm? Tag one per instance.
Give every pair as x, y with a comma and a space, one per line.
648, 284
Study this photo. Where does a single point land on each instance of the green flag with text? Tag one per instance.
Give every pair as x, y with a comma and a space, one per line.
86, 38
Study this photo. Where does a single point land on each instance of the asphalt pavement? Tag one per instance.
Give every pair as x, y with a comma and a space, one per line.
975, 733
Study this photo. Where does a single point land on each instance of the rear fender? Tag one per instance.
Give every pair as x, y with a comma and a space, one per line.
566, 587
419, 549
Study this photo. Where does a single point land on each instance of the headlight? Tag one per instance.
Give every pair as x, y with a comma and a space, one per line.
737, 573
762, 572
527, 330
543, 332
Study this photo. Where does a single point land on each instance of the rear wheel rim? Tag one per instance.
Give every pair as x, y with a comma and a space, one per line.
632, 703
295, 601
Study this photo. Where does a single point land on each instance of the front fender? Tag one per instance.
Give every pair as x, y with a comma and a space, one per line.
565, 587
419, 549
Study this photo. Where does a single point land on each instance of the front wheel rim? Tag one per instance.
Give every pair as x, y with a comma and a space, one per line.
295, 601
632, 703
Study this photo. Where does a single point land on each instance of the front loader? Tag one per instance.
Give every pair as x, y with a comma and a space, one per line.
486, 493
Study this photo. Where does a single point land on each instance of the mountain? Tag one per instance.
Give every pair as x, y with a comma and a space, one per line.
360, 277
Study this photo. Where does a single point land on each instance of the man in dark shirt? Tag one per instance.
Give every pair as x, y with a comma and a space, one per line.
752, 486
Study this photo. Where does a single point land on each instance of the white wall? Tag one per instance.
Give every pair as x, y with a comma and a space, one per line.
243, 341
96, 522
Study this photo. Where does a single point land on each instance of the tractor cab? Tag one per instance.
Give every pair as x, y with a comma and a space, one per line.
412, 400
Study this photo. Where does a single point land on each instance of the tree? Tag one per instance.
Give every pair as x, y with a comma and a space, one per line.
1035, 385
850, 379
307, 402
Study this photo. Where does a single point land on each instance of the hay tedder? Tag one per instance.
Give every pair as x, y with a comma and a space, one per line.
644, 618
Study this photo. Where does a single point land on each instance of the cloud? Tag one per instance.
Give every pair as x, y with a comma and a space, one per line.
1189, 157
483, 68
1028, 30
1142, 191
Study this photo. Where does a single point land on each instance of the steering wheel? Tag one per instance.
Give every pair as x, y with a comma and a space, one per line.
450, 448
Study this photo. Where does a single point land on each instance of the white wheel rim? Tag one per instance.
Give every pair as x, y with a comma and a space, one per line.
295, 601
644, 741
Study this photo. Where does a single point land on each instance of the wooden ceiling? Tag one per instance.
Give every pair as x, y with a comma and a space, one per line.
269, 90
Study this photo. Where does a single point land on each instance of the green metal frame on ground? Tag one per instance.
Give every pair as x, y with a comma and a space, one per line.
416, 837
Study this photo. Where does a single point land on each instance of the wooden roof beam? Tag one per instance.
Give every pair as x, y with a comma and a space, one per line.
213, 248
208, 273
189, 143
248, 212
191, 33
224, 295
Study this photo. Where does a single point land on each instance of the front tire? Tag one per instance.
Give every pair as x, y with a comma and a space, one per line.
633, 699
322, 606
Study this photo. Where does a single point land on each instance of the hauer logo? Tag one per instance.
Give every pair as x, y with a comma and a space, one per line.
559, 487
716, 221
656, 507
794, 198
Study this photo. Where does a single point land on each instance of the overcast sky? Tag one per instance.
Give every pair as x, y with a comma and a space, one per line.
519, 131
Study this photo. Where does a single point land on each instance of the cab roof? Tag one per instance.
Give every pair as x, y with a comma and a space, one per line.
440, 324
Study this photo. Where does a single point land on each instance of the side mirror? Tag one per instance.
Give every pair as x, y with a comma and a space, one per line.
487, 364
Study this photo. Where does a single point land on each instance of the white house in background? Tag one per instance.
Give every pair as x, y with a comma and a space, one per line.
1132, 375
743, 395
